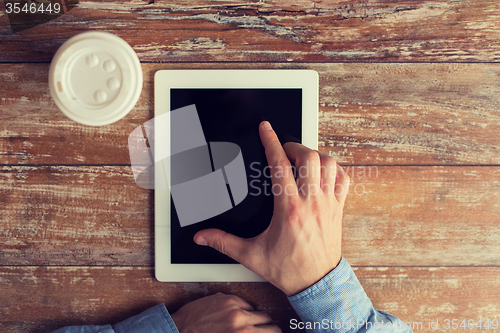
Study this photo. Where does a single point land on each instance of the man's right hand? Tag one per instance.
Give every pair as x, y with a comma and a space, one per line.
222, 313
303, 242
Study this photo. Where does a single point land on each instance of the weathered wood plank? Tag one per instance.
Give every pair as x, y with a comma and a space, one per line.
369, 114
417, 114
423, 295
76, 296
410, 216
277, 31
74, 216
102, 295
423, 216
34, 131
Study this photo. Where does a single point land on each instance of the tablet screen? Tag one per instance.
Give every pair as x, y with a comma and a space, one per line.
233, 115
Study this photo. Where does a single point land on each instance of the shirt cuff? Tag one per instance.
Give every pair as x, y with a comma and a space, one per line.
337, 298
154, 320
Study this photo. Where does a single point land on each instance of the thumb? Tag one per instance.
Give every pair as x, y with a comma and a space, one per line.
223, 242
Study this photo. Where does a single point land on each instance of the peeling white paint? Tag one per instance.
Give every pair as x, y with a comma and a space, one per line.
199, 43
246, 22
350, 54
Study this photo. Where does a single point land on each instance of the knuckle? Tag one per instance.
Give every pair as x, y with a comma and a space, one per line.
316, 207
293, 206
236, 316
234, 299
311, 155
219, 244
328, 161
293, 211
221, 297
282, 163
229, 300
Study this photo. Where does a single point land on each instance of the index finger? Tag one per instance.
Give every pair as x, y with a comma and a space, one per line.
281, 169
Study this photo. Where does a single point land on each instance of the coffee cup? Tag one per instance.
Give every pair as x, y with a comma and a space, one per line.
95, 78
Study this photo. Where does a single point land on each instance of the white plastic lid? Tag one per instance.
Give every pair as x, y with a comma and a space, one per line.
95, 78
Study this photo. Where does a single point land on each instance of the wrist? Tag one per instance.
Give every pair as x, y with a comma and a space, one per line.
291, 289
176, 318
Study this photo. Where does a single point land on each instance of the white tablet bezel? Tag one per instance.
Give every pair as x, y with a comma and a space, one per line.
307, 80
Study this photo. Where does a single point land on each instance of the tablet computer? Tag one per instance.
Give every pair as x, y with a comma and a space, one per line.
228, 105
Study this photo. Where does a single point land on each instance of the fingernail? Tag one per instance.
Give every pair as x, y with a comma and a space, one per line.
201, 241
267, 125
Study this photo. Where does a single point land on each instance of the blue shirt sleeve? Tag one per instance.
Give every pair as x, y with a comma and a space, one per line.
338, 303
154, 320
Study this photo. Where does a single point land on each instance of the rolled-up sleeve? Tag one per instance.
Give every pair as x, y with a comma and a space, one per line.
154, 320
338, 303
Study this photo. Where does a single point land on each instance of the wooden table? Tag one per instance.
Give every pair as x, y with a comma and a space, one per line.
409, 104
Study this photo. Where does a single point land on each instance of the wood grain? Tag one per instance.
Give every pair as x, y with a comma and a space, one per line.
420, 295
75, 216
423, 216
275, 31
410, 88
410, 114
101, 295
394, 216
438, 114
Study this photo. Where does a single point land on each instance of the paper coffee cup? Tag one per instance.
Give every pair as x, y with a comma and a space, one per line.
95, 78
